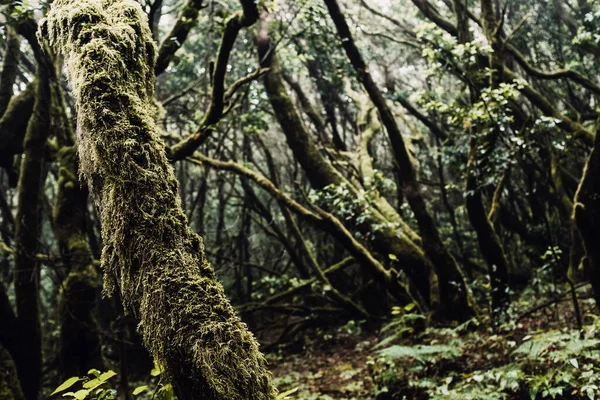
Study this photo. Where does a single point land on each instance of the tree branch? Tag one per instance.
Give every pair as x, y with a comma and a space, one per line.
234, 24
178, 34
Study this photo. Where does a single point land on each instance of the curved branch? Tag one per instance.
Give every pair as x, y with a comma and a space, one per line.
10, 67
178, 34
234, 24
551, 75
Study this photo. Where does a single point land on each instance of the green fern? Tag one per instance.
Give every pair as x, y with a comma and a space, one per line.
557, 346
423, 354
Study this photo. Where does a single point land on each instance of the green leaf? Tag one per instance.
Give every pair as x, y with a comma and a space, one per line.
533, 391
590, 393
285, 394
93, 384
79, 395
107, 375
140, 389
66, 384
94, 372
167, 390
574, 362
157, 370
410, 307
392, 257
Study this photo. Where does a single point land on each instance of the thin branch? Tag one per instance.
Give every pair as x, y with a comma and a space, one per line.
234, 24
178, 34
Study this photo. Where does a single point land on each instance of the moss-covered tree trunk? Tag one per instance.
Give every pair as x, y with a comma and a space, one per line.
10, 67
79, 341
13, 125
151, 256
14, 110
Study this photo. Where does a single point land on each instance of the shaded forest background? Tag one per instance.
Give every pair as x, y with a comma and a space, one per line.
400, 199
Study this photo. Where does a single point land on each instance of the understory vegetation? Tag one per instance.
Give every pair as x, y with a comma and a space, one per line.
314, 199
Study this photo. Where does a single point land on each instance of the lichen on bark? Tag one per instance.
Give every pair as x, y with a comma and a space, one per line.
151, 256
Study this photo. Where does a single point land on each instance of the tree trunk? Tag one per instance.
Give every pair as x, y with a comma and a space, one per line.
79, 344
151, 256
13, 126
27, 234
586, 214
490, 245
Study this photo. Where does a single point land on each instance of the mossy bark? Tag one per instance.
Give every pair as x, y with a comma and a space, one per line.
10, 387
79, 343
13, 126
151, 256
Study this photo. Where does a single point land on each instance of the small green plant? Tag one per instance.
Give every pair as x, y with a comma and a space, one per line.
90, 386
551, 365
96, 386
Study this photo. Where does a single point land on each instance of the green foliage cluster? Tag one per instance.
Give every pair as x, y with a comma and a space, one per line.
443, 52
356, 205
554, 364
93, 386
589, 31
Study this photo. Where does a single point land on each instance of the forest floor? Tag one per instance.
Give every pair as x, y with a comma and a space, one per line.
336, 370
538, 353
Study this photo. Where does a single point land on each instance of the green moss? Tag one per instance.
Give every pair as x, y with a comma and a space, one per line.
151, 256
